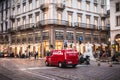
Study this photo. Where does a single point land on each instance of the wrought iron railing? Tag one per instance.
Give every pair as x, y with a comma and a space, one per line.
53, 21
86, 26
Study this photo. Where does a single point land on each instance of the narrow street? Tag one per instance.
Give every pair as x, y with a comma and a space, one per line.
25, 69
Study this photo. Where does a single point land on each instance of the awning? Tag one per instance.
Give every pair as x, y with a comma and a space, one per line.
103, 44
96, 44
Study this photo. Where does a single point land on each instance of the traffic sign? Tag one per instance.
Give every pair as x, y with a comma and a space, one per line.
80, 38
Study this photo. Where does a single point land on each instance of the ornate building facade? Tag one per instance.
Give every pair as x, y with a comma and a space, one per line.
37, 24
115, 24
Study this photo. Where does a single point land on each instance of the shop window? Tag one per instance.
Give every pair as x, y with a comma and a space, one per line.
45, 35
18, 40
103, 39
24, 39
95, 38
59, 35
37, 37
30, 38
13, 39
70, 36
88, 38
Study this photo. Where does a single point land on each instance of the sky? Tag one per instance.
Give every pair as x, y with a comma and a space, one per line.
108, 4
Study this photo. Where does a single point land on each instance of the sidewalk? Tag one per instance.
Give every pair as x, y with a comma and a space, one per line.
22, 62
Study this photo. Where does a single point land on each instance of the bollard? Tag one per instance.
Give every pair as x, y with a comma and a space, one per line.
110, 64
98, 63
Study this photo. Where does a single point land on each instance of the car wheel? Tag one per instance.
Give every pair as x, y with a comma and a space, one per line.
60, 64
46, 63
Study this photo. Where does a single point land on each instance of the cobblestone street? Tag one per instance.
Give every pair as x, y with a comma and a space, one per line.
30, 69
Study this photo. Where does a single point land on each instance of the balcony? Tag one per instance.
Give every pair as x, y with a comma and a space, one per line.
44, 7
84, 25
54, 22
88, 0
104, 28
103, 15
26, 27
12, 17
95, 1
60, 6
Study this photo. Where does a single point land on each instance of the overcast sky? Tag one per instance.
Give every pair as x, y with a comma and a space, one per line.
108, 4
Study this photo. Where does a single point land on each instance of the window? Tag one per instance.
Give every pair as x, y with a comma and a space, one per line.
24, 7
30, 18
95, 7
13, 39
6, 25
37, 17
59, 16
13, 25
103, 24
24, 38
102, 9
30, 4
88, 37
69, 3
13, 11
18, 22
96, 22
117, 7
70, 18
59, 35
37, 3
88, 21
30, 37
95, 38
70, 36
24, 22
37, 36
103, 2
45, 35
118, 20
88, 6
79, 19
18, 9
45, 15
79, 4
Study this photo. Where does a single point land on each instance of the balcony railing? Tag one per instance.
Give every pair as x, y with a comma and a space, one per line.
26, 26
102, 15
53, 21
12, 17
44, 7
84, 25
95, 1
60, 6
104, 28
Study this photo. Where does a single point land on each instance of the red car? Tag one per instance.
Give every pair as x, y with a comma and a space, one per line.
62, 58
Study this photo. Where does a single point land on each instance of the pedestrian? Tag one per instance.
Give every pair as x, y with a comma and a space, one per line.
29, 54
35, 54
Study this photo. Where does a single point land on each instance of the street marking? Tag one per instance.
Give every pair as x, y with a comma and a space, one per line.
82, 65
39, 75
34, 68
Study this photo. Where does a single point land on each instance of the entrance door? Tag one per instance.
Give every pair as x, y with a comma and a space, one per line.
46, 47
